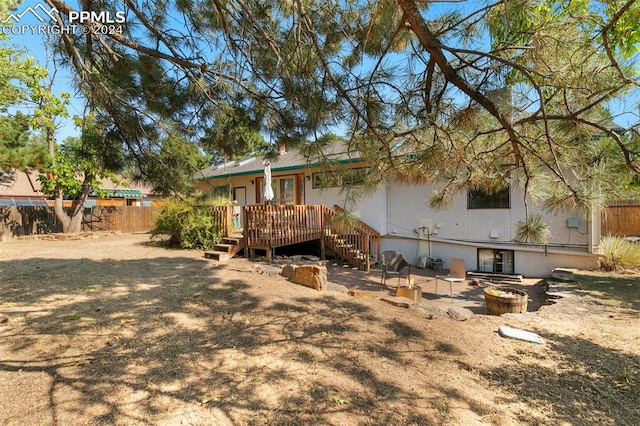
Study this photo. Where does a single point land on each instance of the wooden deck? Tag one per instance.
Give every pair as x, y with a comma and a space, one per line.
267, 227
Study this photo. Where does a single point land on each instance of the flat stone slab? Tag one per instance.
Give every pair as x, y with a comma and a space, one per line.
401, 302
559, 285
310, 257
514, 333
268, 269
364, 293
460, 314
336, 287
558, 295
563, 274
430, 311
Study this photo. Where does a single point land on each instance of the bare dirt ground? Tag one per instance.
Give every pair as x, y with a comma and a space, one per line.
108, 329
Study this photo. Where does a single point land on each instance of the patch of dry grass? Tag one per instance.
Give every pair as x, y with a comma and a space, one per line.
114, 331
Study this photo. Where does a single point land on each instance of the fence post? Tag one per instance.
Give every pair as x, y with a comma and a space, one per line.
245, 231
227, 223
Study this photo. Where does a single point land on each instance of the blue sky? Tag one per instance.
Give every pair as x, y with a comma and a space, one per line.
34, 44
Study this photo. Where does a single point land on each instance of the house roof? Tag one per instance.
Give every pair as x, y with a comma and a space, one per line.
21, 185
293, 159
126, 193
26, 185
21, 189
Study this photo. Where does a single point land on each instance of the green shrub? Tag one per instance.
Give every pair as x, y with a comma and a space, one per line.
620, 253
199, 231
169, 221
187, 225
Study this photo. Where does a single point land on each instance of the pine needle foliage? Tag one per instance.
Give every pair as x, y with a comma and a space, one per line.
533, 230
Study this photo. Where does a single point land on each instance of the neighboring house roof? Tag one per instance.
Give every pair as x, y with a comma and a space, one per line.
294, 159
26, 185
21, 189
126, 189
126, 193
22, 185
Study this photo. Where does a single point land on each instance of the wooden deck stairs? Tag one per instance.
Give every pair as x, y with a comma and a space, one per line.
267, 227
229, 247
349, 250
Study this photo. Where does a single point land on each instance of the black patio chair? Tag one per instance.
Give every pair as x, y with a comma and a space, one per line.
394, 263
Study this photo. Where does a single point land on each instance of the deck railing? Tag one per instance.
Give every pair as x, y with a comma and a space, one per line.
356, 245
221, 216
266, 227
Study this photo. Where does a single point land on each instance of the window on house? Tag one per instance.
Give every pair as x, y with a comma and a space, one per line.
478, 199
221, 191
284, 188
286, 193
334, 179
495, 261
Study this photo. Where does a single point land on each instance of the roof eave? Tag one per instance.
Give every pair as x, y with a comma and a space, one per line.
278, 169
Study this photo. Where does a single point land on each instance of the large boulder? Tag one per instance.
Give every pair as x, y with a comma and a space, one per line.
312, 276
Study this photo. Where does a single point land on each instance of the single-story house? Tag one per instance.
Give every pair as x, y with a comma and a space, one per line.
24, 189
479, 228
26, 210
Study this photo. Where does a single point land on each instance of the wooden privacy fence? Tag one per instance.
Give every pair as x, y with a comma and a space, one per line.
143, 219
31, 220
16, 221
621, 218
120, 218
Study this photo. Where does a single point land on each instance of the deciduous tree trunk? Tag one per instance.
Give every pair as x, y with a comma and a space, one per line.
72, 221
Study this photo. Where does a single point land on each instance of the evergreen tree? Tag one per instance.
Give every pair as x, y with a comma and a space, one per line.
479, 94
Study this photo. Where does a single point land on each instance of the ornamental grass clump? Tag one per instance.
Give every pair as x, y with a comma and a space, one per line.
620, 253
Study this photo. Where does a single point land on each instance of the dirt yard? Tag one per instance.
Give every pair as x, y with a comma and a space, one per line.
109, 329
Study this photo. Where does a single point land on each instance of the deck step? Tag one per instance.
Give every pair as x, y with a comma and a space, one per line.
225, 250
220, 256
224, 247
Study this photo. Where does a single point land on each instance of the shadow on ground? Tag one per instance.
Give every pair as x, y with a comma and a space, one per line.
170, 340
175, 339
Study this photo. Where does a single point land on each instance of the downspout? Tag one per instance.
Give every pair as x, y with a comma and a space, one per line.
387, 208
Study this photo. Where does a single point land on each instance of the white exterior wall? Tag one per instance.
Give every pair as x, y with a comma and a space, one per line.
250, 188
370, 207
459, 232
528, 261
398, 210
